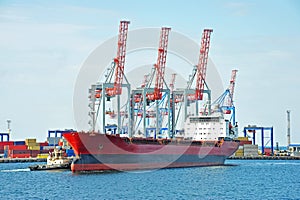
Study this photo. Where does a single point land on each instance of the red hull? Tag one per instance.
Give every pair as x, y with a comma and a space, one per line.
108, 152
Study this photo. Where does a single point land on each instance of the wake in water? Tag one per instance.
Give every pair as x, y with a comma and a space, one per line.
15, 170
286, 163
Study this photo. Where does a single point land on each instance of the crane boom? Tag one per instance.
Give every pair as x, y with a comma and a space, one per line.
161, 62
202, 63
231, 87
119, 60
160, 65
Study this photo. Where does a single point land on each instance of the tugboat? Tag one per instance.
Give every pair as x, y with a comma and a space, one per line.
56, 160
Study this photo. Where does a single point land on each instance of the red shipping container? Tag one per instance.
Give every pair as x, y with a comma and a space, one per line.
25, 151
18, 147
24, 155
6, 143
267, 151
245, 142
34, 153
42, 144
44, 151
7, 147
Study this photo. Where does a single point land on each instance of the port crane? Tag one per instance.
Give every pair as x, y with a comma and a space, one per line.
147, 104
202, 64
160, 65
187, 96
147, 101
225, 102
101, 92
119, 61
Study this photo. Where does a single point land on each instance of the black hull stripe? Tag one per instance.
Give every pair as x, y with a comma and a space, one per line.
148, 158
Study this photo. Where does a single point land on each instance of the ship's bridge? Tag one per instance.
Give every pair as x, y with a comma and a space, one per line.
206, 127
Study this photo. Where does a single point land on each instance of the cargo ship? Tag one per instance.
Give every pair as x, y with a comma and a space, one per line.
146, 132
97, 152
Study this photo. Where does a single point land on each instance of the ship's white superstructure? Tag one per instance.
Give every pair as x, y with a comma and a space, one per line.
208, 127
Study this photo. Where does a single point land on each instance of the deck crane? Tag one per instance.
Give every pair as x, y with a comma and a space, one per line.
119, 61
160, 65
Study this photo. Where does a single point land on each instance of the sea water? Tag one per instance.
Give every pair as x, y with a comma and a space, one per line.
239, 179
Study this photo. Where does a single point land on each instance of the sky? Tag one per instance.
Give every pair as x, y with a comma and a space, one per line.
43, 45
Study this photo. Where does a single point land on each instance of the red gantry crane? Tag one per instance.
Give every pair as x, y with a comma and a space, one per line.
202, 64
160, 65
119, 60
231, 88
109, 88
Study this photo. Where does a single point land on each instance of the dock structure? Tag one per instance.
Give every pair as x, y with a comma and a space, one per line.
254, 129
264, 158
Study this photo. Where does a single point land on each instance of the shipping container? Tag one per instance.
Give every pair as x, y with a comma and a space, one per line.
239, 155
6, 143
42, 155
19, 143
47, 147
20, 156
25, 151
250, 150
34, 153
242, 138
245, 142
34, 147
30, 140
18, 147
43, 144
268, 151
44, 151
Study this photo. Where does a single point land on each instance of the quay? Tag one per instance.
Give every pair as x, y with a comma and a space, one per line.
264, 158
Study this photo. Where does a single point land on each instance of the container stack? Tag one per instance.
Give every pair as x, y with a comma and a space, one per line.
31, 148
241, 151
250, 150
32, 144
244, 140
2, 144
